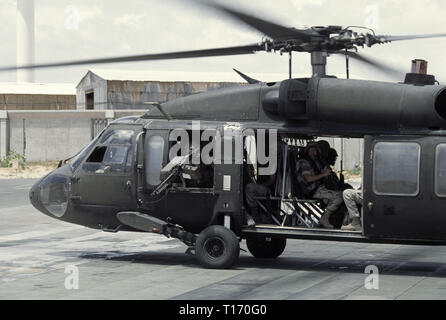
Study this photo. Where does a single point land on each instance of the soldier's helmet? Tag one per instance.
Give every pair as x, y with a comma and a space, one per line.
324, 148
332, 156
311, 145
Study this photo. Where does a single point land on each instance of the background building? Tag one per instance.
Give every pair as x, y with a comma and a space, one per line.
122, 89
37, 96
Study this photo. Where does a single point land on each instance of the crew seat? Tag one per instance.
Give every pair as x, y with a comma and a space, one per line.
294, 208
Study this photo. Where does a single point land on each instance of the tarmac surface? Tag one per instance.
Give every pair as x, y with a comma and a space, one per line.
39, 256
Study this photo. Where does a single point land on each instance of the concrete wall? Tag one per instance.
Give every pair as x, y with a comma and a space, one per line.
51, 135
352, 151
4, 134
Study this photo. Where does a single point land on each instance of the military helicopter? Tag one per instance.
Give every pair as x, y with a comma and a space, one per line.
127, 179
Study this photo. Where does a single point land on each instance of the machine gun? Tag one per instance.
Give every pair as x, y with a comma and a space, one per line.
171, 171
167, 182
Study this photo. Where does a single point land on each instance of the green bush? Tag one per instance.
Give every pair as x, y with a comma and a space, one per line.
356, 171
6, 162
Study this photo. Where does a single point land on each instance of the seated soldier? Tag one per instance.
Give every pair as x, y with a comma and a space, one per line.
262, 189
332, 182
324, 148
329, 157
311, 174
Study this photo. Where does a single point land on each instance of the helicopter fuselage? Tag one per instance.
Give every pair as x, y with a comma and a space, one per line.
129, 165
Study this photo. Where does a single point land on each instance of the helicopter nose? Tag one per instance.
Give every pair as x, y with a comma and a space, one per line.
34, 195
50, 195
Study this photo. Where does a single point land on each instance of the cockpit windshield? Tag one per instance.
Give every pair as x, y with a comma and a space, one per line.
77, 159
118, 137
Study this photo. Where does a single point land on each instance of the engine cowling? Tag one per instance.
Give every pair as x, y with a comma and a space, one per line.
357, 102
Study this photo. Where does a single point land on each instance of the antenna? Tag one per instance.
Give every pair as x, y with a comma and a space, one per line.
160, 108
347, 64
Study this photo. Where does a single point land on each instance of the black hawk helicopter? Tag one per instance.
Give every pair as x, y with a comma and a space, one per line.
126, 180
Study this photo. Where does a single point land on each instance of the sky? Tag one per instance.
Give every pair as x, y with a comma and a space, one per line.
84, 29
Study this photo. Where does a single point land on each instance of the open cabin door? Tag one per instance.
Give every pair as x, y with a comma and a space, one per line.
405, 188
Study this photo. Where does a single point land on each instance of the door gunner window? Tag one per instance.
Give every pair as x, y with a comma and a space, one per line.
440, 170
396, 168
154, 160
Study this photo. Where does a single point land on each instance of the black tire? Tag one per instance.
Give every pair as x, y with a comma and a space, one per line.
217, 247
266, 248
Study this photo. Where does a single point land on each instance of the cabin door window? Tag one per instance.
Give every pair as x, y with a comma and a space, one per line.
396, 169
440, 170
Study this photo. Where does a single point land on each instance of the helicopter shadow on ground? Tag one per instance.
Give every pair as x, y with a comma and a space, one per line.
347, 265
386, 266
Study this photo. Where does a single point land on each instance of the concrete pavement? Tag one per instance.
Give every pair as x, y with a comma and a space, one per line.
36, 251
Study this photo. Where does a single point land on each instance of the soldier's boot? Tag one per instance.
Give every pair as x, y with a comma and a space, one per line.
346, 220
354, 226
255, 214
249, 220
267, 219
325, 222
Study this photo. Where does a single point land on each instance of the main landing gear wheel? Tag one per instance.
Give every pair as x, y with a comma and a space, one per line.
217, 247
265, 247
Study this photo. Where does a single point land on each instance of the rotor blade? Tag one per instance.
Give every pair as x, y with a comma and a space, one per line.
244, 76
373, 63
274, 31
410, 37
248, 49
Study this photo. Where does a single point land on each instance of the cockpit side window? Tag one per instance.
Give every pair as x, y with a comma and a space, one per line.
116, 155
112, 154
97, 155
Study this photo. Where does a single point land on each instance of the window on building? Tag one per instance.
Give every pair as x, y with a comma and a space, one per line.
396, 168
89, 100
